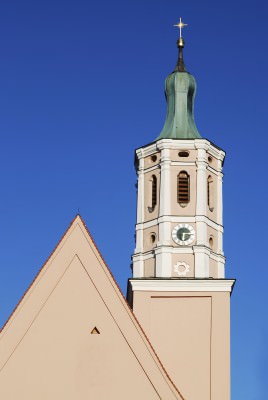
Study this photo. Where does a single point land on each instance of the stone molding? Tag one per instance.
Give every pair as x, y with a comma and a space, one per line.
181, 144
183, 285
178, 219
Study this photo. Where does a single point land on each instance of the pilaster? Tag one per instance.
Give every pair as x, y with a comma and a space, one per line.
165, 182
201, 261
219, 198
138, 266
201, 190
140, 194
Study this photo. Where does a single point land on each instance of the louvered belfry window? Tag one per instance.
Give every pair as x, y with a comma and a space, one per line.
154, 191
183, 188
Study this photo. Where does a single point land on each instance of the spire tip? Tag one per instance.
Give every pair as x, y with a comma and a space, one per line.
180, 25
180, 43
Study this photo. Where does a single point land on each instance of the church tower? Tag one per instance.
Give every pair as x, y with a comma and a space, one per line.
178, 291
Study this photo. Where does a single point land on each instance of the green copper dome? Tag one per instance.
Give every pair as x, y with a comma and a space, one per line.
180, 90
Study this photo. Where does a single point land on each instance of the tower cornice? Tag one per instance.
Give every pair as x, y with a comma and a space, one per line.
182, 285
175, 144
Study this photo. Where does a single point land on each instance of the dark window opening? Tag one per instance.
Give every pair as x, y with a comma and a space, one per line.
210, 193
153, 181
153, 237
183, 188
183, 153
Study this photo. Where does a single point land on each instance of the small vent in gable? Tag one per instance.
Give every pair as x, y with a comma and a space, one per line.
95, 331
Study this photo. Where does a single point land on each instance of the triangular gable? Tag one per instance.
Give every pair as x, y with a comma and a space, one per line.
47, 349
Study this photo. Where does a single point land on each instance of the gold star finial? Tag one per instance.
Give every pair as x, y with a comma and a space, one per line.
181, 25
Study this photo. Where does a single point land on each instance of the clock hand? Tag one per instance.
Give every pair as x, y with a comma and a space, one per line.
184, 235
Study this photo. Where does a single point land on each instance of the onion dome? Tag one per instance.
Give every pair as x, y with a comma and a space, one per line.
180, 87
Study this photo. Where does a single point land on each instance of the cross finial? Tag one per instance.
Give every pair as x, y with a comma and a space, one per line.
181, 25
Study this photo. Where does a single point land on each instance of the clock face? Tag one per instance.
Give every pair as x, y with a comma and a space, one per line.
183, 234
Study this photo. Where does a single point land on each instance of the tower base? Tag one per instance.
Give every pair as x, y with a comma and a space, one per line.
188, 324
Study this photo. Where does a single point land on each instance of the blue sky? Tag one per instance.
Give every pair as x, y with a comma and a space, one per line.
82, 87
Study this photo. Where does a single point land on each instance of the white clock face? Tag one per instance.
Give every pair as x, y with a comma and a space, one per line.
183, 234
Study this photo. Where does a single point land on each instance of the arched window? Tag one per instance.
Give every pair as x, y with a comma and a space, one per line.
210, 193
183, 188
153, 181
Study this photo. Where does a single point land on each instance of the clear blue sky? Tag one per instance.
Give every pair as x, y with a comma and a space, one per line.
82, 87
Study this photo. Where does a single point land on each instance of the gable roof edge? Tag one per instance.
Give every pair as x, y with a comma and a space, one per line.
135, 321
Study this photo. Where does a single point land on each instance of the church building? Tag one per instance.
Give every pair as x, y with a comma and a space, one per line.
73, 335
